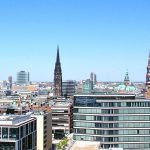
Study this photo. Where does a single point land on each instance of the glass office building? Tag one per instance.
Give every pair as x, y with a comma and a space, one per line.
68, 88
17, 132
119, 121
87, 86
23, 78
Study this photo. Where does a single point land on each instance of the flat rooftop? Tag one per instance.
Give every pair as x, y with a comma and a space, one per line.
85, 145
13, 119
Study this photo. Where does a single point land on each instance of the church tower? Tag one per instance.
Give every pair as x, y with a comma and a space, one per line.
126, 79
57, 76
147, 93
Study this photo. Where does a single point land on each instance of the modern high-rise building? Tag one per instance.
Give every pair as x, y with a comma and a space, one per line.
147, 93
10, 81
68, 88
57, 76
116, 121
93, 77
87, 86
17, 132
23, 78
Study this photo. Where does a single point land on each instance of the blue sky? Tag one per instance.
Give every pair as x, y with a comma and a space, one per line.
107, 37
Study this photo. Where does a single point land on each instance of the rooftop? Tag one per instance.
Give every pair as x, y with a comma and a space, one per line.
85, 145
13, 119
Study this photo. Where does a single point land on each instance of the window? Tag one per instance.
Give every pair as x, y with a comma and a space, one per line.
4, 133
14, 133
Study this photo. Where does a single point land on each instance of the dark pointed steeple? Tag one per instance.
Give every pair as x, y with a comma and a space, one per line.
57, 63
57, 58
57, 76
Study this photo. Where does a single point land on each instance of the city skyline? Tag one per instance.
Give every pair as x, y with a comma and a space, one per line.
104, 37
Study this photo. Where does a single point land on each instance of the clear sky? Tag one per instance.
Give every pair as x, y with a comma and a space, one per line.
107, 37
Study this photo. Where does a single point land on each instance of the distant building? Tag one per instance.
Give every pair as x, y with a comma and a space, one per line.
17, 132
93, 78
125, 87
87, 86
126, 79
10, 81
116, 121
23, 78
147, 93
68, 88
57, 76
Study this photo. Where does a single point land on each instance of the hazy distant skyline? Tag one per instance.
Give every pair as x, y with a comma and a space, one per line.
107, 37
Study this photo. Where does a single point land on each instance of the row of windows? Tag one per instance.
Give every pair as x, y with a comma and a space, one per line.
87, 111
125, 104
111, 111
13, 133
134, 132
134, 139
113, 125
135, 125
134, 146
111, 132
138, 104
134, 111
134, 118
96, 132
127, 146
95, 125
113, 104
112, 118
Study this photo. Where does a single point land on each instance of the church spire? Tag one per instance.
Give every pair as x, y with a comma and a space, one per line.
57, 76
57, 58
126, 79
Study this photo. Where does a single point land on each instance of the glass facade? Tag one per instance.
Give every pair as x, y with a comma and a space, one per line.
23, 137
68, 88
22, 78
119, 121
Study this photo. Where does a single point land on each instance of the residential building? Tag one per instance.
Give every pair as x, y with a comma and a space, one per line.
23, 78
18, 132
116, 121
